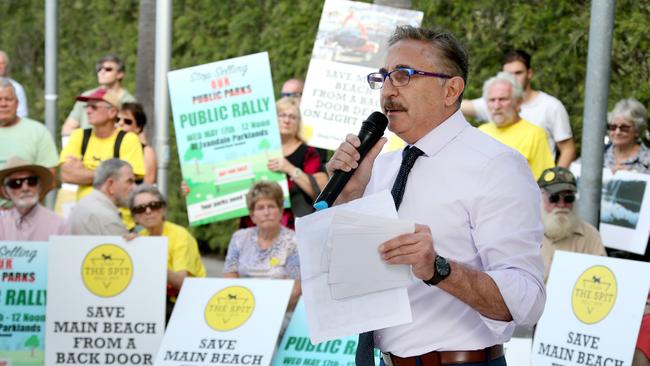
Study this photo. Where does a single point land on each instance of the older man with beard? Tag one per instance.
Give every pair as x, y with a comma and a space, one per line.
563, 229
503, 95
24, 184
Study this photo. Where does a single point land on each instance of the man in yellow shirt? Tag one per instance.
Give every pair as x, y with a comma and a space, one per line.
79, 167
87, 148
503, 95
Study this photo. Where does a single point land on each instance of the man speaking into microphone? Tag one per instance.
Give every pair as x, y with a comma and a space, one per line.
476, 248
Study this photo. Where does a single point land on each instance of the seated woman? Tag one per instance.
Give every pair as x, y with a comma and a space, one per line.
131, 118
625, 124
268, 249
183, 258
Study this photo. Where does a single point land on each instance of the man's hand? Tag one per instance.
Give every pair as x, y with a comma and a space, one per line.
346, 158
415, 249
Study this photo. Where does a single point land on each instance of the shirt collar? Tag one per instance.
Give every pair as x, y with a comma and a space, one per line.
443, 134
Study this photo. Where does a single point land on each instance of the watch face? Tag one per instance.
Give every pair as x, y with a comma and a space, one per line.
442, 266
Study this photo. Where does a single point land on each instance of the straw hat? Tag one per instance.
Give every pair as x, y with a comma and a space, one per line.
16, 164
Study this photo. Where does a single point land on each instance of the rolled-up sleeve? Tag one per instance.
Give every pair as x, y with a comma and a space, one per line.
507, 230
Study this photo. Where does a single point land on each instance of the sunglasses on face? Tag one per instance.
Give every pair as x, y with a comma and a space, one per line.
17, 183
153, 206
555, 198
127, 121
623, 128
105, 68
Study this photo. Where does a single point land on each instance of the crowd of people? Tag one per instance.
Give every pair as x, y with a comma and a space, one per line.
485, 265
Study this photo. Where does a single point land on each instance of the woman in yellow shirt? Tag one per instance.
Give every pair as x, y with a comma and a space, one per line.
148, 207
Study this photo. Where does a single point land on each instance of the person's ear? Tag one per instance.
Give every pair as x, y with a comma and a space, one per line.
454, 87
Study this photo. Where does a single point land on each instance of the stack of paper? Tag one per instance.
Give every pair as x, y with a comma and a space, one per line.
347, 288
355, 267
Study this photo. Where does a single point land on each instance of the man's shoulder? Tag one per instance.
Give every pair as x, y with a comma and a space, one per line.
31, 124
531, 128
479, 147
545, 101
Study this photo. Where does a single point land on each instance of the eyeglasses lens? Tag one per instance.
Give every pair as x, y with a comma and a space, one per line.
127, 121
623, 128
153, 206
555, 198
17, 183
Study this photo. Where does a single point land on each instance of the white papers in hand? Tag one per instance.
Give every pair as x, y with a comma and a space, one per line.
377, 305
355, 267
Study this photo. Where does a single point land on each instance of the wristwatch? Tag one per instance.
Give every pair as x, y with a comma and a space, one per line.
441, 270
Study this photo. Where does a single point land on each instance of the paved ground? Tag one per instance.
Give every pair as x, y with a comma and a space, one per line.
213, 265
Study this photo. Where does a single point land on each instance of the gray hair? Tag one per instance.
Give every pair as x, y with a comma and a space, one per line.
108, 169
6, 83
504, 77
111, 58
453, 56
630, 109
146, 188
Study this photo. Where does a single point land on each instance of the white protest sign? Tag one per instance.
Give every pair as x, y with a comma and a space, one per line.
225, 321
593, 311
106, 300
624, 209
351, 43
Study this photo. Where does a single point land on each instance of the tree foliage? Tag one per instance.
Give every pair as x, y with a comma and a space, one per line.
555, 32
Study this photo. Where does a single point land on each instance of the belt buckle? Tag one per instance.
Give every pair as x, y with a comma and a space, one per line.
387, 359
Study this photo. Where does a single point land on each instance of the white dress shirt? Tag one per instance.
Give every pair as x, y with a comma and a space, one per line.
483, 208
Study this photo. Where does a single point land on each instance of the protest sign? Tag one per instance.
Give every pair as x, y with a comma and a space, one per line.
106, 300
351, 43
593, 311
296, 349
226, 131
225, 321
23, 282
624, 209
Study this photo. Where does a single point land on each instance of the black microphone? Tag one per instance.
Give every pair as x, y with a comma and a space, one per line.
372, 129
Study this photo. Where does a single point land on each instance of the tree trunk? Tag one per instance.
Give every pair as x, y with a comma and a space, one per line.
144, 75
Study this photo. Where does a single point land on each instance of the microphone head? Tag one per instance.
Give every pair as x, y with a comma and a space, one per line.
375, 123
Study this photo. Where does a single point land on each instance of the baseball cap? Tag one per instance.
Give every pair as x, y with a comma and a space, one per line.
557, 179
101, 94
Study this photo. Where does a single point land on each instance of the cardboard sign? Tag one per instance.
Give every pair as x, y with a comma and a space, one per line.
23, 283
624, 209
222, 321
593, 311
106, 300
351, 43
226, 131
296, 349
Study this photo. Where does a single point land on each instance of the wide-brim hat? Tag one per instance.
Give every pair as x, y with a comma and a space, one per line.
102, 94
16, 164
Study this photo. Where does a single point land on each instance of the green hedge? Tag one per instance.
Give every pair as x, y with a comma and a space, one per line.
555, 32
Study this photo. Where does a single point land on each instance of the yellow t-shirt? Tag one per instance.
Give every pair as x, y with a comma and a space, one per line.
182, 250
527, 138
101, 149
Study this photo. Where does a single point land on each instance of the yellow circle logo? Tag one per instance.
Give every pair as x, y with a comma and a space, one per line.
107, 270
594, 294
229, 308
549, 176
